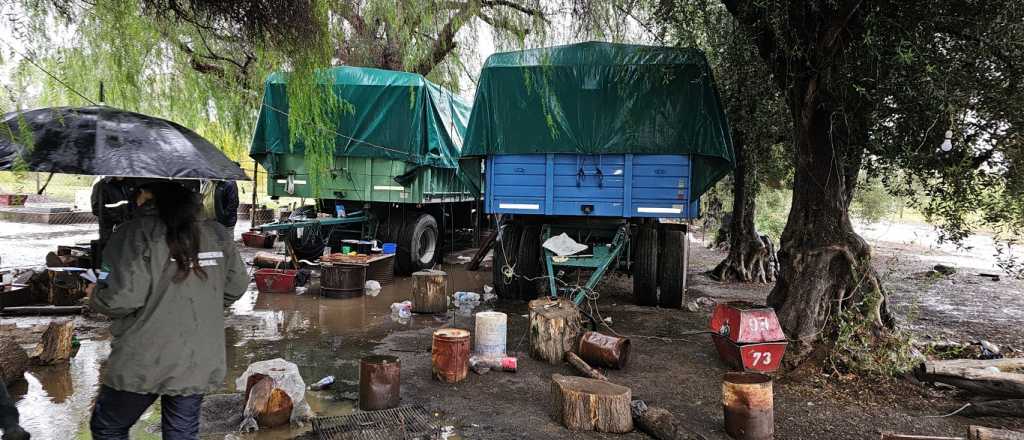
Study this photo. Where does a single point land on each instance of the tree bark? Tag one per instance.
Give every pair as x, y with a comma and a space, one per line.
55, 346
583, 367
554, 329
995, 408
750, 259
582, 404
13, 361
661, 424
429, 292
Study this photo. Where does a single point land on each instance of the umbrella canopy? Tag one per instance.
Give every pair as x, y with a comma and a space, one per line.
105, 141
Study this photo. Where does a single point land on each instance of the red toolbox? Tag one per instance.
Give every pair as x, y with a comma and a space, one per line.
276, 280
748, 336
255, 239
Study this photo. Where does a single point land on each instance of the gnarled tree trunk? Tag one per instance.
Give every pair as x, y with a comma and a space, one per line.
827, 290
751, 256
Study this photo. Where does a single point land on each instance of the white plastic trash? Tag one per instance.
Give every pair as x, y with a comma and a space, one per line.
491, 334
288, 379
372, 288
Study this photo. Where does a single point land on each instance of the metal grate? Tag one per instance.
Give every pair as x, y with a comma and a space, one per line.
405, 422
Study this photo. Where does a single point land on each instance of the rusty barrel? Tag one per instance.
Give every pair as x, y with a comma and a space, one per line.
450, 354
598, 349
379, 382
747, 402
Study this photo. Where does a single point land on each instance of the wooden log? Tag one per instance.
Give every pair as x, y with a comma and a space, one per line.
977, 376
266, 260
661, 424
265, 403
55, 345
555, 329
66, 288
582, 367
583, 404
429, 291
13, 361
486, 246
41, 310
995, 408
983, 433
957, 367
894, 436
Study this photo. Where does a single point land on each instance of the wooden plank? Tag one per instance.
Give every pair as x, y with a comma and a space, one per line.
478, 257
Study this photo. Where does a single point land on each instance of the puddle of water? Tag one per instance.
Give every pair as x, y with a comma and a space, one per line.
322, 336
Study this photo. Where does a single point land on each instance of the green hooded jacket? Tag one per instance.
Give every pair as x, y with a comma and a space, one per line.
168, 337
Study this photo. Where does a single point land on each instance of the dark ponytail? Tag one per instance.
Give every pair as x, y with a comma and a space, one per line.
179, 207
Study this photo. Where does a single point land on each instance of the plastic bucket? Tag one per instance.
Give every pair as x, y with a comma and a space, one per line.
389, 248
380, 381
748, 407
491, 333
449, 355
275, 280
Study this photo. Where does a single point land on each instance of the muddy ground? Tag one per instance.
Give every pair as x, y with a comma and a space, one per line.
669, 367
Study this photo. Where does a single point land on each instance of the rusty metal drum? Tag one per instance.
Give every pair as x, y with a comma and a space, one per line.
450, 354
598, 349
747, 400
380, 381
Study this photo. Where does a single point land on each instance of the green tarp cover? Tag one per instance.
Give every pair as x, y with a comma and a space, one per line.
598, 98
397, 115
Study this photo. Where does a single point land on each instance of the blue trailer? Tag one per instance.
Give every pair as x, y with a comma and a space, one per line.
609, 144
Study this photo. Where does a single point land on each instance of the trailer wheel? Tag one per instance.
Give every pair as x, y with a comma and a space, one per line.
507, 244
645, 269
417, 246
528, 263
670, 275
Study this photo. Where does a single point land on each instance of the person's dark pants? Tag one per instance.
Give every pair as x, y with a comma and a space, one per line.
116, 411
9, 416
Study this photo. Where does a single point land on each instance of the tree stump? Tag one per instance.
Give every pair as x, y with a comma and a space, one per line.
583, 404
982, 433
429, 292
13, 361
265, 403
554, 329
55, 345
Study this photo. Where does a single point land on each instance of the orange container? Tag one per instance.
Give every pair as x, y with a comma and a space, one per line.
450, 354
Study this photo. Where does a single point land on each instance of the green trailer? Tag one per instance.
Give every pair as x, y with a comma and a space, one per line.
396, 163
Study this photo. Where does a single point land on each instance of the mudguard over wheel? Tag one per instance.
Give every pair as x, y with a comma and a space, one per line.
670, 276
506, 248
645, 269
418, 246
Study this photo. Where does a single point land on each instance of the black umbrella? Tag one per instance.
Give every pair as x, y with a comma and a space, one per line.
105, 141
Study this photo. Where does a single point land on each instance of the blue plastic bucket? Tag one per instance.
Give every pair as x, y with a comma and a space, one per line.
389, 248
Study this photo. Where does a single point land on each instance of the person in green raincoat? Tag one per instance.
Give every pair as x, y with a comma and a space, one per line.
167, 277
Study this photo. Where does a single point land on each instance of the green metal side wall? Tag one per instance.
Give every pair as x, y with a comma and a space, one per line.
365, 179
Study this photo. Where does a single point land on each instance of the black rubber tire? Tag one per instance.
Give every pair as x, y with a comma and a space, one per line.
528, 263
645, 270
670, 274
507, 241
418, 245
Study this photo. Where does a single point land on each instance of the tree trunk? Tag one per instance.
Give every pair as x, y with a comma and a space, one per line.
13, 361
429, 291
554, 329
827, 290
582, 404
995, 408
750, 259
55, 346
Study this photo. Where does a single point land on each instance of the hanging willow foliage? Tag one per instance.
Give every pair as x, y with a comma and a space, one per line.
202, 63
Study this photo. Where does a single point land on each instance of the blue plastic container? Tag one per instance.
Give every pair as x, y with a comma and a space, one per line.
389, 248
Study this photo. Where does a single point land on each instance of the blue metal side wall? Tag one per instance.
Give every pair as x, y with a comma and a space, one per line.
612, 185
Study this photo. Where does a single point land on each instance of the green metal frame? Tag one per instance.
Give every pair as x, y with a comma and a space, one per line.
602, 259
356, 217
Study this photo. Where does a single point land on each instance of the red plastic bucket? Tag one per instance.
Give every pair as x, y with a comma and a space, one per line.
275, 280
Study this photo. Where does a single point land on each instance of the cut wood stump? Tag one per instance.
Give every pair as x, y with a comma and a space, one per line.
894, 436
983, 433
55, 345
429, 291
583, 404
995, 408
584, 368
661, 424
265, 403
978, 376
13, 361
555, 329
